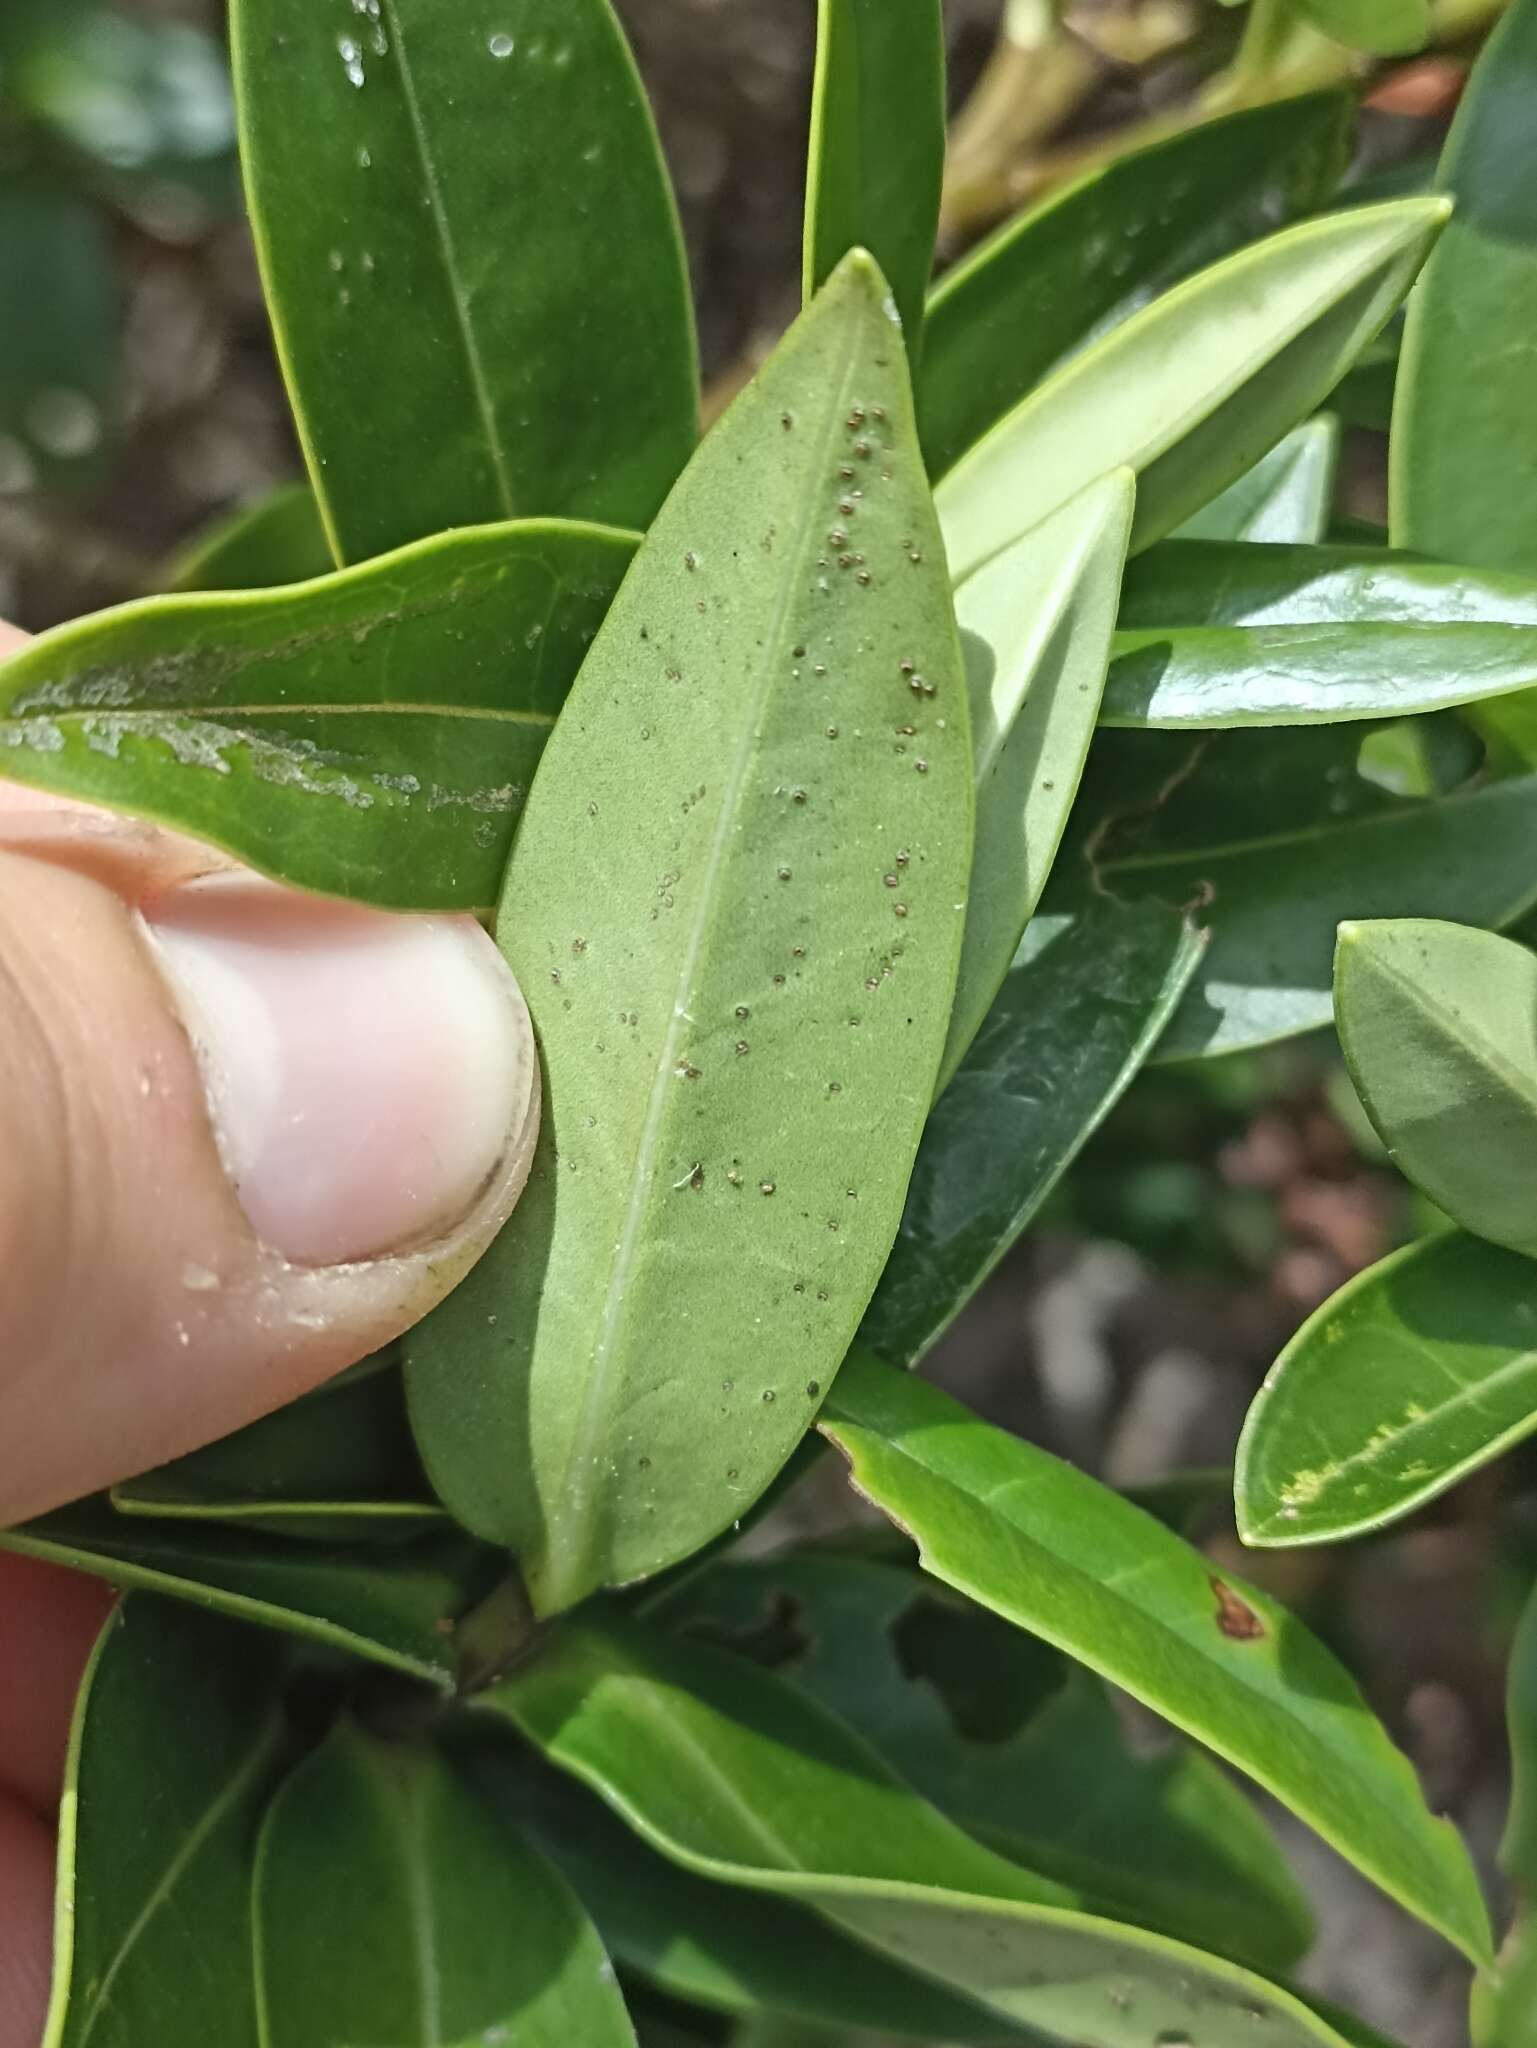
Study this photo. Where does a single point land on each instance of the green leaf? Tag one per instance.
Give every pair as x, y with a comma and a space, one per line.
472, 260
710, 1943
731, 1773
1439, 1029
1163, 1839
1035, 632
1413, 1375
1191, 391
180, 1737
372, 734
1387, 28
1286, 496
1464, 431
1086, 1001
1067, 271
1050, 1549
402, 1607
736, 904
1219, 634
338, 1466
59, 341
394, 1907
878, 145
1281, 836
273, 540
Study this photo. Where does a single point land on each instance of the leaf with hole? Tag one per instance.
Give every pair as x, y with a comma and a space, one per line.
1416, 1373
1052, 1550
736, 905
472, 261
1192, 390
372, 734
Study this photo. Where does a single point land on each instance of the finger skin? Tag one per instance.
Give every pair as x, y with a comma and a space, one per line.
49, 1621
26, 1917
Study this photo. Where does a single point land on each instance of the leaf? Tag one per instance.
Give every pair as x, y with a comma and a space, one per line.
1163, 1839
59, 342
736, 903
401, 1608
392, 1906
338, 1466
472, 260
1439, 1029
1050, 1549
1192, 390
1067, 271
728, 1772
1286, 496
372, 734
1280, 837
153, 1937
709, 1943
1083, 1006
1035, 632
1387, 28
1464, 436
878, 145
272, 540
1416, 1373
1220, 634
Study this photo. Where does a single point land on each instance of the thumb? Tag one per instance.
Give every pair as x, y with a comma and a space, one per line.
246, 1137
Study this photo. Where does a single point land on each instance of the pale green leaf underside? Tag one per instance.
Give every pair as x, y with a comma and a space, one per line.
1286, 496
1419, 1371
1049, 1548
736, 908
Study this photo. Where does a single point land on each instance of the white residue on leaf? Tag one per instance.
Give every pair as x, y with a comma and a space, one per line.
39, 735
489, 802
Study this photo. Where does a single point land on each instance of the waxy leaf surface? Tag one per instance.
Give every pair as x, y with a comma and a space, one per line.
1413, 1375
1067, 271
1464, 440
395, 1908
733, 1774
1192, 390
372, 734
736, 905
878, 145
1035, 634
181, 1736
472, 262
1286, 496
1439, 1029
1046, 1546
1086, 1001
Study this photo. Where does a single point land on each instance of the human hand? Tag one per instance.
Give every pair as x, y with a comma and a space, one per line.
246, 1137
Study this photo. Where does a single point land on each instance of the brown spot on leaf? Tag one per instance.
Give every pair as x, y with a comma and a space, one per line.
1235, 1617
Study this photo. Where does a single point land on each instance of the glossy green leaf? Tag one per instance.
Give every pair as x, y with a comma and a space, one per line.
372, 734
1439, 1029
339, 1466
472, 260
1386, 28
1219, 634
1093, 254
1278, 837
878, 145
1035, 632
736, 906
1286, 496
1191, 391
402, 1607
274, 540
1086, 1001
1464, 435
1413, 1375
1163, 1839
181, 1735
1049, 1548
395, 1908
710, 1943
737, 1777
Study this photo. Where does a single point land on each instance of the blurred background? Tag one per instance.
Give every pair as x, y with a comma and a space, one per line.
139, 398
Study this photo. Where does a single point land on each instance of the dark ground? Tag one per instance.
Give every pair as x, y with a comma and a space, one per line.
1132, 1327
